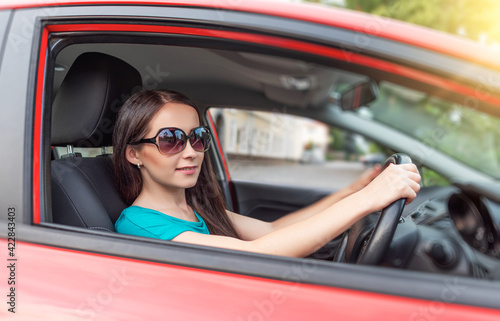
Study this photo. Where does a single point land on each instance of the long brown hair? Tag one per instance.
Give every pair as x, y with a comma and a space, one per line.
206, 197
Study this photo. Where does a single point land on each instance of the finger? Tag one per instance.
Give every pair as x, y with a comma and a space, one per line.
365, 178
374, 168
414, 177
372, 173
415, 186
410, 198
367, 173
411, 192
408, 170
409, 167
377, 168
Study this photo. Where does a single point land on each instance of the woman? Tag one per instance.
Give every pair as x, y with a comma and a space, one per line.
174, 195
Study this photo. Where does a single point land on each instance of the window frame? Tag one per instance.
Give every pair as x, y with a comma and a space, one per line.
36, 193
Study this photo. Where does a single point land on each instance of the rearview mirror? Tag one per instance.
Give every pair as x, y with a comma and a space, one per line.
357, 95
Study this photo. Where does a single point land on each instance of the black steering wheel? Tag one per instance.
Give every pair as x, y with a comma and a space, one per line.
357, 245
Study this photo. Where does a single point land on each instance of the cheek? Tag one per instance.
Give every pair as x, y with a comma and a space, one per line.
153, 158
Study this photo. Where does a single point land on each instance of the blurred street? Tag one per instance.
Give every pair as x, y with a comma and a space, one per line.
329, 175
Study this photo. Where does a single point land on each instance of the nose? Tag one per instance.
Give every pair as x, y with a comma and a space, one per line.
188, 151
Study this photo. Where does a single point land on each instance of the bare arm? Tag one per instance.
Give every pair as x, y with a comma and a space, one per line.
329, 200
250, 229
296, 240
302, 238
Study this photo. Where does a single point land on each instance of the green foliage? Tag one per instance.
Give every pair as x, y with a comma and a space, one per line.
471, 18
463, 133
374, 148
466, 134
337, 139
432, 178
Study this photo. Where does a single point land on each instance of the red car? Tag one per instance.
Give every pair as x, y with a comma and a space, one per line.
262, 72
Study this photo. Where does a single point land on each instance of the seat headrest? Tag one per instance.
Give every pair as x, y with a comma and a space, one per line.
85, 107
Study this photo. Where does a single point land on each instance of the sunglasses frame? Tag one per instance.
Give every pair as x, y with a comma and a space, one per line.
154, 140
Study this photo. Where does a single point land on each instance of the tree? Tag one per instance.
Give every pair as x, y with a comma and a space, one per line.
475, 19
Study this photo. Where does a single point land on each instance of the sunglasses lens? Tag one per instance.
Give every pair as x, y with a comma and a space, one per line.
200, 139
171, 141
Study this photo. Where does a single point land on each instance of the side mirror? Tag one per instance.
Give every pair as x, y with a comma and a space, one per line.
357, 95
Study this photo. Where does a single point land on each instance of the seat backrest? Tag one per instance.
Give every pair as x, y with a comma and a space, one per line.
84, 194
83, 114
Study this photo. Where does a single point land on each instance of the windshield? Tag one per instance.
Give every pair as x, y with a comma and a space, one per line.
466, 134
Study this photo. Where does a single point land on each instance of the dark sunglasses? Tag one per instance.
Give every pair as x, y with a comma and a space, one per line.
171, 140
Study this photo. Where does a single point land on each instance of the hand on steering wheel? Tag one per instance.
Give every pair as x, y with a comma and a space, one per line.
373, 250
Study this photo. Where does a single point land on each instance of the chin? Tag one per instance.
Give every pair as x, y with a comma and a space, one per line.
191, 183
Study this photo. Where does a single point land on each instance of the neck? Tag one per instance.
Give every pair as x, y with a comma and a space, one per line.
163, 198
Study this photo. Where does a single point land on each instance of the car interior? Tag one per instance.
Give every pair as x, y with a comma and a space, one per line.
92, 79
92, 75
83, 190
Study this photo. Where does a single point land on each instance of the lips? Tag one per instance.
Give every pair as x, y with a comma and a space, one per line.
187, 168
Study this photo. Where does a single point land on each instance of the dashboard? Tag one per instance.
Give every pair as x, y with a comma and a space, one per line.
477, 219
454, 230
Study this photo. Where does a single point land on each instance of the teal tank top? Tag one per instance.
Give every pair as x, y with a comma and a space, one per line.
141, 221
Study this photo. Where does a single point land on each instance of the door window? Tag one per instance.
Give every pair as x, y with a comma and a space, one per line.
276, 147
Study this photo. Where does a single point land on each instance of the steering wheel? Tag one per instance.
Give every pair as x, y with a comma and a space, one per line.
357, 245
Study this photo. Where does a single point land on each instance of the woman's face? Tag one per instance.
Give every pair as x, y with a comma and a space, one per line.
171, 171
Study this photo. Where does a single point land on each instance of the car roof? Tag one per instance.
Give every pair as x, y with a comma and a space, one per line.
342, 18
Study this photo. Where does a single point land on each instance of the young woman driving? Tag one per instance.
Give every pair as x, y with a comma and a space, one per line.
162, 172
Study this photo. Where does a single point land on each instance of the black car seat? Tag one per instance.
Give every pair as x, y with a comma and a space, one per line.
83, 114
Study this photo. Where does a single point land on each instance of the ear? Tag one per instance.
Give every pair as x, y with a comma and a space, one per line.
132, 155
